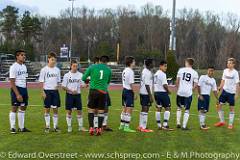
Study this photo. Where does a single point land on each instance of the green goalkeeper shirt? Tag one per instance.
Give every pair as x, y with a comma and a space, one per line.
100, 76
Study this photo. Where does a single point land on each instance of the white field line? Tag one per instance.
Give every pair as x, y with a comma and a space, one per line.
135, 110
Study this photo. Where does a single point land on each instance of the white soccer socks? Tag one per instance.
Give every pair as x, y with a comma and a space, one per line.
21, 116
12, 119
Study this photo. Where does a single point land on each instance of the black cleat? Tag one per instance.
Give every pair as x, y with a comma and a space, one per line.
23, 130
57, 130
106, 128
167, 128
13, 131
47, 130
186, 129
179, 126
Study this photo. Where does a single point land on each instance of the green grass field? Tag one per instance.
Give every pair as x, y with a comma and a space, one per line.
216, 140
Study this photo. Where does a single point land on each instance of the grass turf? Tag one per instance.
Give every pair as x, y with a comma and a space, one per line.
214, 140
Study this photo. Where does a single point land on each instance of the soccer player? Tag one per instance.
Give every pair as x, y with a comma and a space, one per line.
206, 83
128, 95
50, 79
161, 95
106, 110
19, 95
100, 78
72, 82
146, 97
229, 86
187, 79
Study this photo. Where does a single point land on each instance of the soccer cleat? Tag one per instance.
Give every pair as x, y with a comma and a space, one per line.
127, 129
91, 131
57, 130
204, 127
185, 129
167, 128
179, 126
219, 124
13, 131
69, 129
121, 127
82, 129
47, 130
230, 126
98, 131
108, 129
23, 130
146, 130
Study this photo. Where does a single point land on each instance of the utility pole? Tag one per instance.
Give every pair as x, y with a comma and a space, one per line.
71, 32
172, 43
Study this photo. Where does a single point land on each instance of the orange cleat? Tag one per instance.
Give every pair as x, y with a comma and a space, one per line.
230, 126
219, 124
146, 130
91, 131
98, 131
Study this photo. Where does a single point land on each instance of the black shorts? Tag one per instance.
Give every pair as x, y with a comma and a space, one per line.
73, 102
52, 99
145, 100
162, 99
96, 99
108, 101
24, 93
127, 98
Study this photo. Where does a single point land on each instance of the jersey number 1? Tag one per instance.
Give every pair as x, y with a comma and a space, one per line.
101, 74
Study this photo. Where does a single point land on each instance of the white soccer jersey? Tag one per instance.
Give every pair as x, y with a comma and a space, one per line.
127, 78
19, 73
73, 81
187, 77
160, 79
50, 77
207, 84
231, 78
146, 79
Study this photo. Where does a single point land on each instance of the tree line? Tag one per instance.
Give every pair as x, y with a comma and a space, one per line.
209, 38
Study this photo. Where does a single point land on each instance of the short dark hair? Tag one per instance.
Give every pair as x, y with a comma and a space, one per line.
73, 62
17, 52
96, 59
129, 60
52, 54
148, 62
211, 67
233, 60
163, 62
104, 59
190, 61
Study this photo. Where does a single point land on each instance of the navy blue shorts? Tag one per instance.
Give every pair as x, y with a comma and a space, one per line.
73, 102
184, 102
127, 98
24, 93
162, 99
227, 97
204, 104
145, 100
52, 99
108, 101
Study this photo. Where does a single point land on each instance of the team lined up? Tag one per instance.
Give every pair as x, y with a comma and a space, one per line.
153, 87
